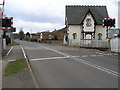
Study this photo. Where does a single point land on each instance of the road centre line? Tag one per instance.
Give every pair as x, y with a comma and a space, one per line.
64, 54
97, 67
51, 58
87, 63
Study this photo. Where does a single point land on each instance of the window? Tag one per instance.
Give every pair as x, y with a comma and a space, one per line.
99, 36
74, 35
88, 22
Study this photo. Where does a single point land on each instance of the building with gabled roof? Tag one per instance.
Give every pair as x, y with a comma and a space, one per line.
84, 22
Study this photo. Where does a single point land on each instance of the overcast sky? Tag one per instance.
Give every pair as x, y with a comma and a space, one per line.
42, 15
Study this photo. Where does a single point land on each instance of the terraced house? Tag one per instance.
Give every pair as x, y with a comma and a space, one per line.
85, 23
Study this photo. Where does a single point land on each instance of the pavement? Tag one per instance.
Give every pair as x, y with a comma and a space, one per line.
56, 66
21, 79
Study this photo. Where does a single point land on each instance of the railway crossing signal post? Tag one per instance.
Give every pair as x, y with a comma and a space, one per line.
7, 24
108, 23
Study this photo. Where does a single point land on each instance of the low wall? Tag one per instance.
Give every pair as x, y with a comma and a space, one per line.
57, 42
89, 43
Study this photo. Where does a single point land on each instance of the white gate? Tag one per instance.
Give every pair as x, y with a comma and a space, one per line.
115, 45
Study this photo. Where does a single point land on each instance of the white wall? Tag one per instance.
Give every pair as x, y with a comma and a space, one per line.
74, 29
100, 29
78, 29
86, 28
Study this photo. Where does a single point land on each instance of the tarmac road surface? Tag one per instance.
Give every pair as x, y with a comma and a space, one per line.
57, 66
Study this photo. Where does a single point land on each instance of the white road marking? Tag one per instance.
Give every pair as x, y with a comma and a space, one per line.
87, 63
11, 60
1, 61
104, 54
116, 54
99, 55
98, 67
9, 51
51, 58
23, 52
109, 54
93, 55
64, 54
84, 56
7, 61
31, 72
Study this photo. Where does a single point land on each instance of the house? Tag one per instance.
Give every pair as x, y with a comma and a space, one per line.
35, 36
46, 35
85, 22
60, 33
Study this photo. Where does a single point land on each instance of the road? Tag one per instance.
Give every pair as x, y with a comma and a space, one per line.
57, 66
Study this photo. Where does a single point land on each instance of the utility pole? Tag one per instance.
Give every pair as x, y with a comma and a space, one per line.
1, 32
4, 31
1, 44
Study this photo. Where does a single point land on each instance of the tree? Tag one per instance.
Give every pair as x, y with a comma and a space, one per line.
21, 34
27, 36
55, 37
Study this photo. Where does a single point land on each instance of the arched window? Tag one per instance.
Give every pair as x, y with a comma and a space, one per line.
99, 36
74, 35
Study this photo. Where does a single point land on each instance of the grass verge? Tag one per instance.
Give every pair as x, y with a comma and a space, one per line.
98, 48
15, 67
14, 43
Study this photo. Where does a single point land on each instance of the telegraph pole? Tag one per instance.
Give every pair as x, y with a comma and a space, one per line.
2, 32
1, 15
1, 43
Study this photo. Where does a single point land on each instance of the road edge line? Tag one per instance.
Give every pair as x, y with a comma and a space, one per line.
29, 66
9, 51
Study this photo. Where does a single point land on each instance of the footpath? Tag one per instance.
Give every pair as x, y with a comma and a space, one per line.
21, 79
